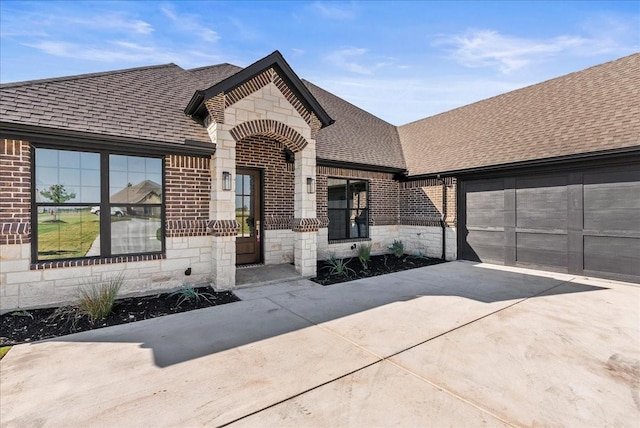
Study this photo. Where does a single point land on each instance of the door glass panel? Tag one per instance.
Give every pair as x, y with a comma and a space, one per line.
244, 205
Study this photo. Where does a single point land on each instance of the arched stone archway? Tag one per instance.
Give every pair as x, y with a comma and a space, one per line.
264, 112
270, 128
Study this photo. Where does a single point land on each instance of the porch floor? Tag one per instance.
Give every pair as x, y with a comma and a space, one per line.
265, 274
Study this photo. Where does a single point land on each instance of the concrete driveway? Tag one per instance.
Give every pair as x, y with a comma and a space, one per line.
457, 344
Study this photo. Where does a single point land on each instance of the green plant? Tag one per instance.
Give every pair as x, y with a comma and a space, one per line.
188, 293
338, 266
4, 350
95, 299
364, 255
22, 314
397, 248
420, 255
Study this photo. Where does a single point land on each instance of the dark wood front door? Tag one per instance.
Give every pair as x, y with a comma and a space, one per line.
248, 214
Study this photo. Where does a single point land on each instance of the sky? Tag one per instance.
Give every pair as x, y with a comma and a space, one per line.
401, 61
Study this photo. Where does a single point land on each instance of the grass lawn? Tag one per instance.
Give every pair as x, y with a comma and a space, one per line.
70, 236
4, 350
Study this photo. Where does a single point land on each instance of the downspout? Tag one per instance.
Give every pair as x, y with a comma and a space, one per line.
443, 223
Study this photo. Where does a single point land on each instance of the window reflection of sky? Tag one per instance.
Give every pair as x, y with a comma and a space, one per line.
78, 172
132, 170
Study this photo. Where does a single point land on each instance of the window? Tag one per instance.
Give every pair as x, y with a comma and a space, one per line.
96, 205
348, 208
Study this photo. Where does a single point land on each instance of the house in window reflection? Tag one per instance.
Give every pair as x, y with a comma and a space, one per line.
138, 198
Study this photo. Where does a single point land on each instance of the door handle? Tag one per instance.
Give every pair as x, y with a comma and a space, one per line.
257, 231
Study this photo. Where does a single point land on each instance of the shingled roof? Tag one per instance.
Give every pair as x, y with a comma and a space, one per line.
142, 103
593, 110
147, 103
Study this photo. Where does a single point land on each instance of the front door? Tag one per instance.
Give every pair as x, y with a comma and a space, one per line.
248, 214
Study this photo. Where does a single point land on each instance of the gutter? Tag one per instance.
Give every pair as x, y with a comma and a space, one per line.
554, 161
399, 173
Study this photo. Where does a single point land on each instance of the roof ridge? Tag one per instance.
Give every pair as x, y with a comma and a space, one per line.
518, 90
85, 75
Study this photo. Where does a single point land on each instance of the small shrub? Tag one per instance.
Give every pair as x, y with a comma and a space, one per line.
421, 255
95, 299
22, 314
188, 293
397, 248
364, 255
338, 266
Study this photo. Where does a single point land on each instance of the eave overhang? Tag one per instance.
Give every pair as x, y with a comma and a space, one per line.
78, 140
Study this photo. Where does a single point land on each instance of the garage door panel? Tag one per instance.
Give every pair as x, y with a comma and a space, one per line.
485, 204
541, 203
541, 249
612, 255
486, 245
584, 221
612, 206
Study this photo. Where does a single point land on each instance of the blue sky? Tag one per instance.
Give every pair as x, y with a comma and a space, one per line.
401, 61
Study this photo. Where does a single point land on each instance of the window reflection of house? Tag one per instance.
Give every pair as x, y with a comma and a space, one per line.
146, 192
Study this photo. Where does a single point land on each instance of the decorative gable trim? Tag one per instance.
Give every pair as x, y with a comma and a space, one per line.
271, 69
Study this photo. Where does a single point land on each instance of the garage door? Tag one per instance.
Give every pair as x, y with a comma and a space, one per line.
583, 222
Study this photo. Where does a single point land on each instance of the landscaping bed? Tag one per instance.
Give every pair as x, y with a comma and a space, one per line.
332, 272
37, 324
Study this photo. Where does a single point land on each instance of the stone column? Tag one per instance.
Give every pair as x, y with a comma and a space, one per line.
306, 223
223, 225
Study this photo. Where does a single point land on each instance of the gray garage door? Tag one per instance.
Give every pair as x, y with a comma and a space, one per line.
583, 222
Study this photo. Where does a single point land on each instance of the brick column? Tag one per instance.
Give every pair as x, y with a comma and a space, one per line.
223, 225
306, 223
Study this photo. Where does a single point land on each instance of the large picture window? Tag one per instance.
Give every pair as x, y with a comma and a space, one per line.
96, 205
348, 208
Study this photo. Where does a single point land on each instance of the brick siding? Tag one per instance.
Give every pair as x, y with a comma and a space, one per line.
15, 188
187, 195
383, 194
421, 202
279, 178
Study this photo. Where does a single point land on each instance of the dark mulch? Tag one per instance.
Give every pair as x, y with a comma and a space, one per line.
37, 324
378, 265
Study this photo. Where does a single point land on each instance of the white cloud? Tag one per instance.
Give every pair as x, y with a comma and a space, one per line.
112, 21
355, 61
333, 10
190, 23
490, 48
123, 52
483, 48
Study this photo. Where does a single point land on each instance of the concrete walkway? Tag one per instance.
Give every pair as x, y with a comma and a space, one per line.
457, 344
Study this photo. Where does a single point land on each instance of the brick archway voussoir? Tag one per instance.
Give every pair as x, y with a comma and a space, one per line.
272, 128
